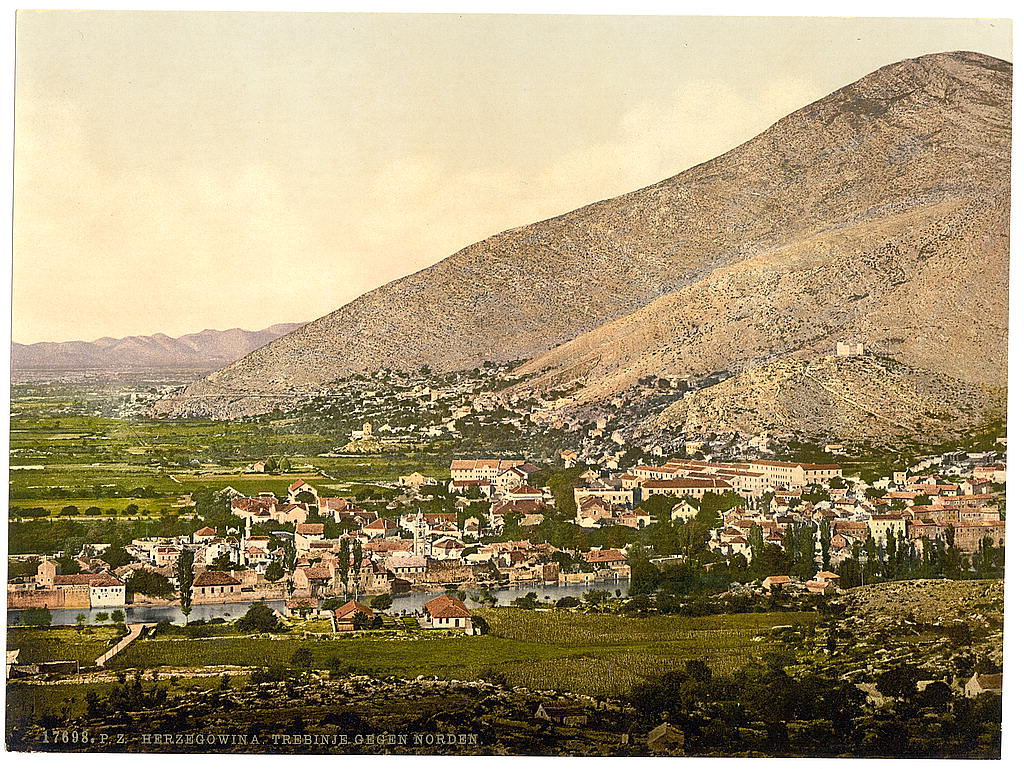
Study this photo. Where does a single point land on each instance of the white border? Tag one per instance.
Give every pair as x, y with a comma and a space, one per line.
1013, 740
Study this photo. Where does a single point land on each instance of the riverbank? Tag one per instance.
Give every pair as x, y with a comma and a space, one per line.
403, 603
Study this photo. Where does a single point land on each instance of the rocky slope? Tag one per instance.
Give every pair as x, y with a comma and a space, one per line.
879, 213
857, 400
207, 349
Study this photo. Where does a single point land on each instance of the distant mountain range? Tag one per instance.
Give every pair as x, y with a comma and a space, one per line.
878, 214
207, 349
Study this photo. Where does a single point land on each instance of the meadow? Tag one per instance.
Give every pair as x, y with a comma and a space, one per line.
585, 653
61, 643
75, 452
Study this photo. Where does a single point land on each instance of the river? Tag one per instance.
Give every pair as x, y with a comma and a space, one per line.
402, 603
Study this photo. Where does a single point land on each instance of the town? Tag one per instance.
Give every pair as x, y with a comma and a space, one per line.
303, 547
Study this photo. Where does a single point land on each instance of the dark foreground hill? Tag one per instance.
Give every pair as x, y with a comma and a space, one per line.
877, 214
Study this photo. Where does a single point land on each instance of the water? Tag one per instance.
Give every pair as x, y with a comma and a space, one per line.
410, 602
407, 603
205, 611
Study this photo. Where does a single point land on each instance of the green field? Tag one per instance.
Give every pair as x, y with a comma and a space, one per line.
586, 653
60, 643
67, 449
570, 651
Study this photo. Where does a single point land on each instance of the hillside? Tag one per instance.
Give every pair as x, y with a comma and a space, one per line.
878, 213
206, 349
867, 400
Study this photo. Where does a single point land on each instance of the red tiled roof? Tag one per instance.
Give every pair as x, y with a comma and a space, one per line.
604, 556
446, 606
687, 483
93, 580
352, 607
212, 578
525, 489
317, 572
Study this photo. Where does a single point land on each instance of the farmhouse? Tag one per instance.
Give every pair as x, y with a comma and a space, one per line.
346, 619
447, 612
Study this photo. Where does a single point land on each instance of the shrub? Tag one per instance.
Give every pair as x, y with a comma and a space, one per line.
37, 617
259, 618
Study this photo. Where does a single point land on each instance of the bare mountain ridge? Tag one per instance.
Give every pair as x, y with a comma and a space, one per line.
877, 212
205, 349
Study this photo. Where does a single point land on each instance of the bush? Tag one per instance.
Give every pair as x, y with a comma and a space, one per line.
37, 617
528, 601
269, 675
260, 618
567, 602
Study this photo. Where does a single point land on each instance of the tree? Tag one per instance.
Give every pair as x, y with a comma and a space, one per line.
528, 601
186, 576
149, 583
259, 618
80, 622
37, 617
825, 542
805, 562
357, 561
102, 616
343, 561
756, 541
117, 615
302, 658
644, 575
275, 571
567, 602
68, 563
222, 563
69, 510
900, 682
953, 564
382, 601
116, 556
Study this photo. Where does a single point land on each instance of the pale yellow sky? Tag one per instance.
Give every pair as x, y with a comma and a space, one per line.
182, 171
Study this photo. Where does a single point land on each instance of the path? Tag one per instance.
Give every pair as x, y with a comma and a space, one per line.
134, 631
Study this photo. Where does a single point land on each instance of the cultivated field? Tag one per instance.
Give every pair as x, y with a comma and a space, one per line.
563, 650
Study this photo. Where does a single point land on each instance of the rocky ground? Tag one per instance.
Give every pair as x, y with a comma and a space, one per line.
358, 714
865, 399
945, 627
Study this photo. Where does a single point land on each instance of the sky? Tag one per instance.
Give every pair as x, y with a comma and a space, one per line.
182, 171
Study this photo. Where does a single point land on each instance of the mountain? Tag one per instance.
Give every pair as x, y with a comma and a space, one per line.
878, 214
866, 400
208, 349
